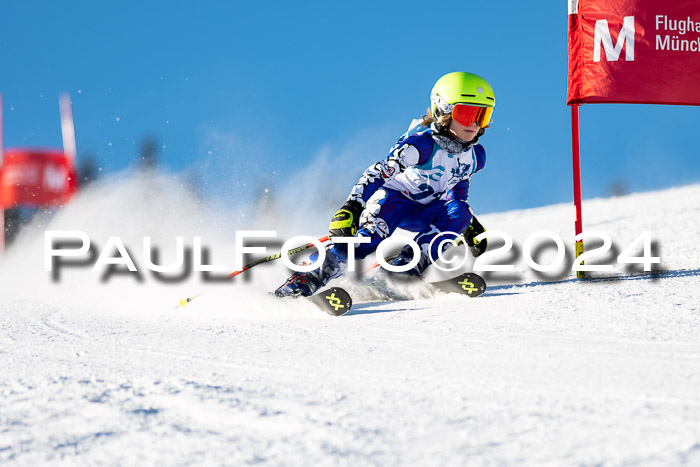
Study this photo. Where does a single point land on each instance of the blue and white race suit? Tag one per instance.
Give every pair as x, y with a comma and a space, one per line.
420, 186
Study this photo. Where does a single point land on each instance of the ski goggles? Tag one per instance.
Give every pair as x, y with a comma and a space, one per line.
466, 114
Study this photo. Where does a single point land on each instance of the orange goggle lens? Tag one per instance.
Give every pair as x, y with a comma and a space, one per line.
468, 114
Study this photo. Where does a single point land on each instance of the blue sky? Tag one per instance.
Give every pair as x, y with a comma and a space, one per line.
248, 93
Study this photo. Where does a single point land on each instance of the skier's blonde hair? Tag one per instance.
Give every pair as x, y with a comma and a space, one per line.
442, 121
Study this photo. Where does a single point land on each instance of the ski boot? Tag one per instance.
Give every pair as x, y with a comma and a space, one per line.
300, 284
305, 284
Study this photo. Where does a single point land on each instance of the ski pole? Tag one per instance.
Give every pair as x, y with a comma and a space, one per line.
185, 301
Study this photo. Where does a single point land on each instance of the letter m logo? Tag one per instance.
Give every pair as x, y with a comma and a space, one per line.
626, 38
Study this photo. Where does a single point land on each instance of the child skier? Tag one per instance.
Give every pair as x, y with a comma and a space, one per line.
421, 186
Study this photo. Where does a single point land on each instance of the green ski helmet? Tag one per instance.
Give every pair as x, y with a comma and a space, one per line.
469, 89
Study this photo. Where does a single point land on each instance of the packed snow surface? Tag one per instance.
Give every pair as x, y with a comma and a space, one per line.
542, 369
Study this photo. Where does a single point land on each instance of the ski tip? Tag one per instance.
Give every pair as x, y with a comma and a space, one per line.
468, 284
334, 301
472, 285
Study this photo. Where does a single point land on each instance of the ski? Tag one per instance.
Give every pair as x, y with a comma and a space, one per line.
389, 287
469, 284
334, 301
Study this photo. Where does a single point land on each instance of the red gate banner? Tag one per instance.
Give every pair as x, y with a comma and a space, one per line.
36, 178
634, 51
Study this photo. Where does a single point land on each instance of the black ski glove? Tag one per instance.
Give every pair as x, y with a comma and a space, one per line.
474, 229
346, 221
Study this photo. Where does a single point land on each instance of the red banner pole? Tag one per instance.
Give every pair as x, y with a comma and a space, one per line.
577, 181
2, 208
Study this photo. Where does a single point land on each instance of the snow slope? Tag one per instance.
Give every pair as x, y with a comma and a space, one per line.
540, 370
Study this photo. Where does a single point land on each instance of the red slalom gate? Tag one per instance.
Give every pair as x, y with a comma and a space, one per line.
633, 52
38, 178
